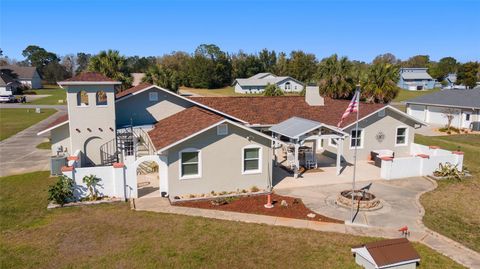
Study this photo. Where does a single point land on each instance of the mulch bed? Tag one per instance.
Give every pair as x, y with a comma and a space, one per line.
254, 204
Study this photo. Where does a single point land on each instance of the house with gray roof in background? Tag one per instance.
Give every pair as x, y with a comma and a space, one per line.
258, 82
464, 105
415, 79
26, 75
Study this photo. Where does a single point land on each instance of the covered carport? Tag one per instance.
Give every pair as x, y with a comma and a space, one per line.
299, 130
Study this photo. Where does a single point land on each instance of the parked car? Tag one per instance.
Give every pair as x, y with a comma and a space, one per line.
7, 99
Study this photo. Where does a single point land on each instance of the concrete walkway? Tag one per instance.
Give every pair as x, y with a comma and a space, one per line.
444, 245
18, 153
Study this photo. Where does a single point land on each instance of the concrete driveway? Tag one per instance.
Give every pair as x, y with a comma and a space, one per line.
399, 198
18, 153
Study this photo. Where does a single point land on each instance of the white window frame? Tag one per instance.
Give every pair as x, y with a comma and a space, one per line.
199, 172
153, 96
362, 135
224, 131
260, 160
330, 143
406, 136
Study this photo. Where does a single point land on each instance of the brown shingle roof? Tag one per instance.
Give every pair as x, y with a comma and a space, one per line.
273, 110
392, 251
131, 90
181, 125
90, 76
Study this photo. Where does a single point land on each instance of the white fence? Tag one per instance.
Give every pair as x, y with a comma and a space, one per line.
423, 162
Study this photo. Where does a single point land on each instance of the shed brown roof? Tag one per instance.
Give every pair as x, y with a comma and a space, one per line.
132, 90
392, 251
273, 110
181, 125
90, 76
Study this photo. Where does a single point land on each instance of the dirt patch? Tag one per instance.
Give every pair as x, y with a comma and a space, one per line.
254, 204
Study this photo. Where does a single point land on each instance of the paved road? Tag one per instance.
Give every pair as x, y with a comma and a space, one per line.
18, 153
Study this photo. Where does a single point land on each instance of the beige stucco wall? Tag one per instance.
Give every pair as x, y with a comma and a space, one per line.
371, 127
95, 124
60, 136
221, 163
142, 111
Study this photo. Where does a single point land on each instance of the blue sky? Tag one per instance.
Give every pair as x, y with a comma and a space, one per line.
358, 29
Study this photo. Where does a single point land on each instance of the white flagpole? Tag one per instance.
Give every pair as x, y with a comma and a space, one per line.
357, 92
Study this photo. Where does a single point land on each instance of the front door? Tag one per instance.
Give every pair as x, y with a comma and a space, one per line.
466, 119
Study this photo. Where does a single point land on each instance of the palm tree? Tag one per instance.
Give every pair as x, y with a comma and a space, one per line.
334, 77
163, 77
111, 64
380, 84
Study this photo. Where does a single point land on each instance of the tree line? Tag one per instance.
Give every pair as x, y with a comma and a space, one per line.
210, 67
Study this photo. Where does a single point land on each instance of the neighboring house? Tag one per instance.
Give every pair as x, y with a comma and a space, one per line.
415, 79
433, 108
8, 85
390, 253
451, 80
258, 82
26, 75
211, 144
137, 78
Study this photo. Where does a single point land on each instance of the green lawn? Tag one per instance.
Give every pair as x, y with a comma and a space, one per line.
406, 94
56, 93
453, 209
44, 145
14, 120
114, 236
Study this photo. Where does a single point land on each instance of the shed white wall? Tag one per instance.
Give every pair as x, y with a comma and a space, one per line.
60, 137
294, 86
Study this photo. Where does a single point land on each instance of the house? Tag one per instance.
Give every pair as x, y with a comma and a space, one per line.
203, 145
258, 82
390, 253
26, 75
8, 85
464, 106
415, 79
451, 80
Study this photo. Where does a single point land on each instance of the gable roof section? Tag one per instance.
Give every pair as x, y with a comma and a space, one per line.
392, 251
61, 120
261, 75
273, 110
295, 126
454, 98
5, 79
89, 78
263, 81
182, 125
22, 72
416, 75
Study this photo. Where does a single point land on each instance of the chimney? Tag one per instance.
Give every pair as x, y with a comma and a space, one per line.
312, 96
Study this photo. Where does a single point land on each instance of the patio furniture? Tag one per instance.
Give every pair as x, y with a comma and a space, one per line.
310, 160
290, 159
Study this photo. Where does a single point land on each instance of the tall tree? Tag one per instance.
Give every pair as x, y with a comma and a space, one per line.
468, 74
268, 59
39, 57
177, 61
210, 67
380, 84
444, 67
82, 62
302, 66
417, 61
334, 77
386, 58
164, 77
54, 72
281, 68
111, 64
69, 62
246, 65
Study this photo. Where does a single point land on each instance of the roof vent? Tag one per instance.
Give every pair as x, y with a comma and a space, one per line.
312, 96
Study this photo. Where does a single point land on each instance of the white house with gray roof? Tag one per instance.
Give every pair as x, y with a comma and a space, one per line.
464, 105
415, 79
258, 82
26, 75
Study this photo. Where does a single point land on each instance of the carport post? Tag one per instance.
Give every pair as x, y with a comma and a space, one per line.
297, 162
339, 155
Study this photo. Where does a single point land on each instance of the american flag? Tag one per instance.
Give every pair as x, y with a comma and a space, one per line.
352, 107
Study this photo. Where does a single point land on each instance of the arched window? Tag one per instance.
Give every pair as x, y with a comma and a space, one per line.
101, 97
82, 98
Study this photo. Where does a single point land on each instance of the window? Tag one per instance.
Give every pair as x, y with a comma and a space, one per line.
251, 160
101, 97
153, 96
332, 142
467, 116
82, 98
222, 129
287, 86
190, 166
401, 138
356, 138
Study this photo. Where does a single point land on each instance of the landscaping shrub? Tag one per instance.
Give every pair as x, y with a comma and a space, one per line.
91, 181
449, 171
62, 191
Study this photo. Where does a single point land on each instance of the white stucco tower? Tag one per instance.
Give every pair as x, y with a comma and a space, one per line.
91, 113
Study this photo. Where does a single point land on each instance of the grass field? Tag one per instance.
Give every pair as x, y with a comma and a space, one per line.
406, 94
44, 145
14, 120
453, 209
56, 93
114, 236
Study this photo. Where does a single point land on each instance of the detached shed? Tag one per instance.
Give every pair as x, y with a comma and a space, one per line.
390, 253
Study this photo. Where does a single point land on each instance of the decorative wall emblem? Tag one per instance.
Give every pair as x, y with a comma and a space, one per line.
380, 137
